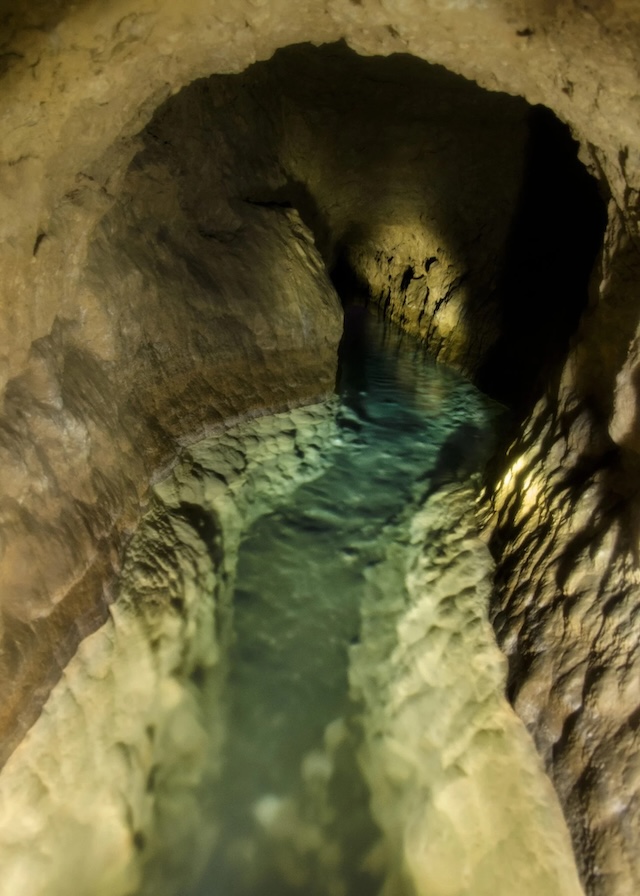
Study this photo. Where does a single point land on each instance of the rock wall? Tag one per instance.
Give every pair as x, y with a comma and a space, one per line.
460, 796
175, 329
111, 786
96, 364
413, 177
565, 610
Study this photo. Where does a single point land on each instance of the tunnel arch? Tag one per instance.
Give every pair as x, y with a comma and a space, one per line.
80, 83
113, 66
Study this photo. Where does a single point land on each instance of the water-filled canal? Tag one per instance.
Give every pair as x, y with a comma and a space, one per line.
294, 804
297, 690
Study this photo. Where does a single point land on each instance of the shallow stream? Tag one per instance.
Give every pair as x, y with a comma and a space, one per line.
334, 726
295, 815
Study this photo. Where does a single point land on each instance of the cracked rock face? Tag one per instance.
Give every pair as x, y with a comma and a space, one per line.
111, 351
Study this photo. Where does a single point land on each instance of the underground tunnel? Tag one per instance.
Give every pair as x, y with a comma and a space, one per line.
178, 266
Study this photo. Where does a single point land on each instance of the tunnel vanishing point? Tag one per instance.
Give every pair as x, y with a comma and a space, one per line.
185, 188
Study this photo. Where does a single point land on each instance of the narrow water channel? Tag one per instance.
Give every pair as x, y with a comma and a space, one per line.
337, 727
294, 806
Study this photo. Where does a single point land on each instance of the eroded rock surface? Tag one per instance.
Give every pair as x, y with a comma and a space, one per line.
188, 331
567, 599
110, 787
456, 785
566, 622
80, 81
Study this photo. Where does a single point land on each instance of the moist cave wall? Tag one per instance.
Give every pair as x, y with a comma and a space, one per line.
105, 374
465, 215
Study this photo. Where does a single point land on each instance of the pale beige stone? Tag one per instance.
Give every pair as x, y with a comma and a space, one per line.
108, 791
79, 83
456, 784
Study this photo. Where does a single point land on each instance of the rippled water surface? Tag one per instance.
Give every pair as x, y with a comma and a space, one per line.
294, 808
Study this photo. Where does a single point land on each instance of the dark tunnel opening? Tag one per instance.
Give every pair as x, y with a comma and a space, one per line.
556, 234
464, 213
528, 302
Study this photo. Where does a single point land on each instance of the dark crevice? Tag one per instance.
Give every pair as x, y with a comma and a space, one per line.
345, 280
519, 315
555, 237
205, 525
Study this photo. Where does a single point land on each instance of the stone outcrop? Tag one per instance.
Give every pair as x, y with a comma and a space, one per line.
566, 532
455, 784
138, 719
125, 805
103, 372
188, 329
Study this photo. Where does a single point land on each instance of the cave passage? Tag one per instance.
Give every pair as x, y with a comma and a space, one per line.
292, 801
369, 745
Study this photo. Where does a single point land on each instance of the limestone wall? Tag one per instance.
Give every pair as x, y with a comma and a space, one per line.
102, 374
172, 329
566, 604
111, 787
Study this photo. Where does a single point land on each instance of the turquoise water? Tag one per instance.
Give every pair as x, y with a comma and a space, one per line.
293, 807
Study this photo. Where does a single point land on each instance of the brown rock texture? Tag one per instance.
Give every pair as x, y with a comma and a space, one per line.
566, 605
454, 778
111, 349
125, 806
177, 328
409, 177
